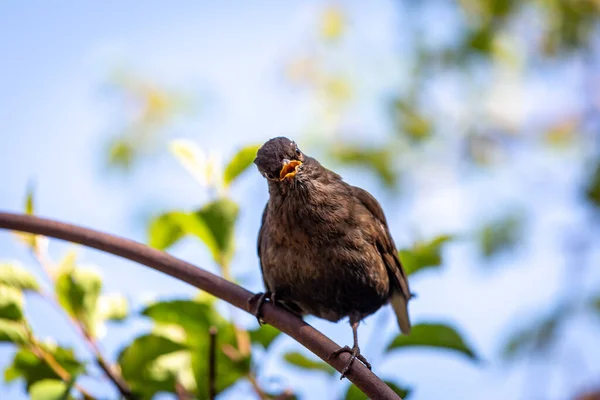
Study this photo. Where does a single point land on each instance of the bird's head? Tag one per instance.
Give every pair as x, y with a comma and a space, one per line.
280, 160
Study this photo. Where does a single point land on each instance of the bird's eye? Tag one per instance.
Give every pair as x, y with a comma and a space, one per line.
298, 152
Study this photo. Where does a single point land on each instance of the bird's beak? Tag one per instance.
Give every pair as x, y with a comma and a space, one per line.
289, 169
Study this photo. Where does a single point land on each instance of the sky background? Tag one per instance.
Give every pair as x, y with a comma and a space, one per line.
57, 113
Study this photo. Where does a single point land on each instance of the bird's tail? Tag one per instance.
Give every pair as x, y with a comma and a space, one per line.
400, 306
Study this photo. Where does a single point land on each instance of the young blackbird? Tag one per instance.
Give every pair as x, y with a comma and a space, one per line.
324, 246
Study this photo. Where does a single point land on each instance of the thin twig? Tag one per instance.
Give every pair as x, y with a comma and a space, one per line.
212, 363
181, 392
55, 366
47, 266
281, 319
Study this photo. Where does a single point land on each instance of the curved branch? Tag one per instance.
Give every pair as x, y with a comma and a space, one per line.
281, 319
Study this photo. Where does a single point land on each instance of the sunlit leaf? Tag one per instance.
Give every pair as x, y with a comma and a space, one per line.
423, 255
77, 291
500, 235
355, 393
11, 303
301, 361
264, 335
49, 389
196, 318
435, 336
13, 332
220, 217
31, 369
137, 362
191, 157
27, 238
239, 163
14, 275
113, 307
166, 229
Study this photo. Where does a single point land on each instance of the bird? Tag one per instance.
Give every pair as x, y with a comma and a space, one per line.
324, 246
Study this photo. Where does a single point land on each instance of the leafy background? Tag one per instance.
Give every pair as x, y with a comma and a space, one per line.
475, 123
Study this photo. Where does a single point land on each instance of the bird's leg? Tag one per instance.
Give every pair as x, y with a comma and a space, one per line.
354, 351
259, 299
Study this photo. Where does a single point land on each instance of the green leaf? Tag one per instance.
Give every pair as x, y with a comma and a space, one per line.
165, 230
135, 359
11, 303
423, 255
536, 336
220, 217
31, 369
213, 224
113, 307
354, 393
77, 291
139, 367
49, 389
434, 335
301, 361
264, 335
191, 315
239, 163
411, 121
12, 332
196, 318
500, 235
121, 154
380, 161
14, 275
29, 208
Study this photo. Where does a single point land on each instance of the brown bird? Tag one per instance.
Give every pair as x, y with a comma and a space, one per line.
325, 248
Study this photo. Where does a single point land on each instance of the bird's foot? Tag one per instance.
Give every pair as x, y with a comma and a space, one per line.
256, 302
355, 354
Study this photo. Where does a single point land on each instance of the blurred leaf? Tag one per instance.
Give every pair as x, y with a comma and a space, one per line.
219, 216
191, 315
500, 235
121, 154
191, 157
301, 361
49, 389
13, 332
27, 238
213, 224
355, 393
14, 275
379, 161
423, 255
593, 187
165, 230
332, 23
135, 359
239, 163
77, 291
29, 208
411, 122
434, 335
264, 335
536, 336
196, 317
29, 367
137, 362
113, 307
11, 303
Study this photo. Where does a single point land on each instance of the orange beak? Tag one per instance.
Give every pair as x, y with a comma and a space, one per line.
289, 169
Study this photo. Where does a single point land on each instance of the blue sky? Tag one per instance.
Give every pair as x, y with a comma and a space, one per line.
55, 118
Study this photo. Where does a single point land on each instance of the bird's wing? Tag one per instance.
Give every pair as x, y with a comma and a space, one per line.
259, 242
385, 244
